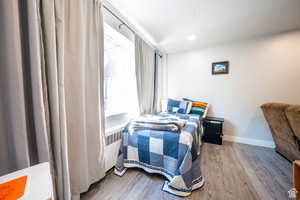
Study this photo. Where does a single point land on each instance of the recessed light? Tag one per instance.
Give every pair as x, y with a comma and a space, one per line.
191, 37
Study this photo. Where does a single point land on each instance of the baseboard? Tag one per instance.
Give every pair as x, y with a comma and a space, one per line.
262, 143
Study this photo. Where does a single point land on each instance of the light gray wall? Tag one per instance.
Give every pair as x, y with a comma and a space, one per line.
261, 70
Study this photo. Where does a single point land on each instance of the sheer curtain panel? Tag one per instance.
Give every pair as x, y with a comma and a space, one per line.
160, 80
145, 75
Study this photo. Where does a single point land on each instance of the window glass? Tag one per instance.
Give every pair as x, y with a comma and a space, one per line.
120, 90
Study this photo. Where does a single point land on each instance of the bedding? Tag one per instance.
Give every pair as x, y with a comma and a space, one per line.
169, 153
156, 122
176, 106
199, 108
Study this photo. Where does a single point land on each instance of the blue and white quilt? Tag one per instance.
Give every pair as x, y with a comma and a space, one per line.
172, 154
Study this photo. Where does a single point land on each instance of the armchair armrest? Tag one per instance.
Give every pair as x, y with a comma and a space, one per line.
296, 177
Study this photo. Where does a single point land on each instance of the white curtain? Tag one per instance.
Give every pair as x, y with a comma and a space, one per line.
84, 80
145, 75
160, 80
51, 83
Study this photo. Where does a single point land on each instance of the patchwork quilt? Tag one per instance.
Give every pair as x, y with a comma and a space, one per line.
171, 154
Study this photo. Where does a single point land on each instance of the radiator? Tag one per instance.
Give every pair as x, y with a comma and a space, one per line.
112, 141
113, 135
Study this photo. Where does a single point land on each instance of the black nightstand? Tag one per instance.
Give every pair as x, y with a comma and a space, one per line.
213, 130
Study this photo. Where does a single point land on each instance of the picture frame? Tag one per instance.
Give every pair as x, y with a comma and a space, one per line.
220, 67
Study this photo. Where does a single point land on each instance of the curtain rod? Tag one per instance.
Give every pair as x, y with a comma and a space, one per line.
125, 24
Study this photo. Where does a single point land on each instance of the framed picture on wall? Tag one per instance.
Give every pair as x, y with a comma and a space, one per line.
220, 67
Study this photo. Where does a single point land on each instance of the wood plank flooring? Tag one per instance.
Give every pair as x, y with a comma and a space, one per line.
231, 171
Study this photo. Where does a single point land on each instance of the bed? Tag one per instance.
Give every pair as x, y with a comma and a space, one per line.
166, 144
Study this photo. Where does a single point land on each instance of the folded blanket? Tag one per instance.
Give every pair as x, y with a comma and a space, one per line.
152, 122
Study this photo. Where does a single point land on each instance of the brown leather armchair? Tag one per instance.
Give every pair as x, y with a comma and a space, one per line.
283, 121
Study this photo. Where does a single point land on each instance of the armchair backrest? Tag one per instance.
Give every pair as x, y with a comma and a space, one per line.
277, 120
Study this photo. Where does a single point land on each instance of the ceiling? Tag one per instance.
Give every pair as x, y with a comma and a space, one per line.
169, 23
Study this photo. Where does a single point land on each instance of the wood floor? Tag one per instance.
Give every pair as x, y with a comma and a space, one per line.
231, 171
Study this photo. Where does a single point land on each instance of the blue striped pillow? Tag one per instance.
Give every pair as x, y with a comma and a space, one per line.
176, 106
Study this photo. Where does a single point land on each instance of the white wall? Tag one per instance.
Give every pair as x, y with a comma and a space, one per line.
261, 70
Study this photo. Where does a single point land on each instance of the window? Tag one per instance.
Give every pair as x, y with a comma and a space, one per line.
120, 90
